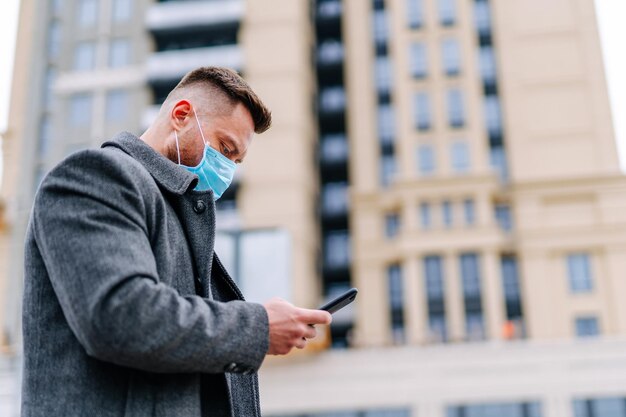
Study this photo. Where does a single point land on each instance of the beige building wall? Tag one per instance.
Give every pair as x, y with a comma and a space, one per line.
279, 183
566, 192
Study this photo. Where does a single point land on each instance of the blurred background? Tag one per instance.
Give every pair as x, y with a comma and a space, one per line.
455, 160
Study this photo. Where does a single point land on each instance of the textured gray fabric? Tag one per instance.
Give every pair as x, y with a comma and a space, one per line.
114, 322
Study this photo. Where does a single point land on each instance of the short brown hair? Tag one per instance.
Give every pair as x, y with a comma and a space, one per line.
235, 88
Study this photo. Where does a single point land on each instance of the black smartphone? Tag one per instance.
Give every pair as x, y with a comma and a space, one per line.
340, 302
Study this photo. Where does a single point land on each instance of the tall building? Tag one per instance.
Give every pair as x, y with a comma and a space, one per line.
453, 159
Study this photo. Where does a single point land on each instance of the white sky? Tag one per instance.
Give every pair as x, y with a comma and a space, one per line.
611, 15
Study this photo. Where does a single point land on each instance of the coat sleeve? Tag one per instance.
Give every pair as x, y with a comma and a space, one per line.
89, 221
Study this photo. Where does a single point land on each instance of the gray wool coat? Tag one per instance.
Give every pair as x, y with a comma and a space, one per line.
127, 310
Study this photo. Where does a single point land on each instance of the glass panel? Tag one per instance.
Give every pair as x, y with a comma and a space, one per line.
45, 137
80, 109
419, 61
469, 211
333, 99
493, 115
433, 272
474, 326
122, 10
446, 212
482, 17
117, 105
383, 73
54, 40
456, 113
487, 62
48, 93
334, 148
451, 55
396, 302
119, 53
498, 162
84, 56
335, 198
415, 13
380, 26
392, 225
87, 12
510, 282
337, 249
330, 51
609, 407
503, 217
447, 12
425, 218
421, 110
470, 275
388, 169
579, 273
386, 123
460, 157
586, 327
426, 159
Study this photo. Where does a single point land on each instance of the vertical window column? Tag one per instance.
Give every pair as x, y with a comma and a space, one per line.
472, 297
434, 283
396, 303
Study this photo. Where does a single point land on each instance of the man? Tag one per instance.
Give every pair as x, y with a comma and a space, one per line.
127, 310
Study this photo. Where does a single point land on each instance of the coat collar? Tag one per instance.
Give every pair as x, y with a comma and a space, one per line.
166, 173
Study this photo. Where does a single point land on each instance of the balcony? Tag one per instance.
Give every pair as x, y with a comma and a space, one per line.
170, 16
170, 66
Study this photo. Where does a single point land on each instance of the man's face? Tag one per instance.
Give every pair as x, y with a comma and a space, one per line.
228, 134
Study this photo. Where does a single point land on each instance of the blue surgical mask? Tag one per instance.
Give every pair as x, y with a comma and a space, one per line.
215, 171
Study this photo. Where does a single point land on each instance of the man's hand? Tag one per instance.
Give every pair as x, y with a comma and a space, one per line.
291, 326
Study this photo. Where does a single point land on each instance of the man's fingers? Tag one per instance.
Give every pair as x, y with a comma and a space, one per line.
315, 316
310, 332
301, 343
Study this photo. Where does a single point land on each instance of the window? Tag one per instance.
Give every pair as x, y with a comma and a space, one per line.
456, 113
474, 326
335, 198
437, 328
48, 93
117, 105
526, 409
57, 7
470, 275
54, 40
498, 162
119, 54
388, 169
45, 137
510, 282
80, 109
334, 148
419, 61
426, 159
415, 13
446, 213
469, 211
447, 12
380, 26
451, 55
587, 327
122, 10
482, 18
337, 249
493, 115
422, 111
460, 157
579, 273
383, 73
329, 9
503, 216
84, 56
433, 272
392, 225
600, 407
425, 217
330, 51
487, 62
386, 123
333, 99
87, 12
396, 302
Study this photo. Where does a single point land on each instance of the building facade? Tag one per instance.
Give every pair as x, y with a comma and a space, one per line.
453, 159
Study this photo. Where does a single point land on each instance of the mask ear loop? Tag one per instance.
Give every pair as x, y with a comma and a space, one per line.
177, 148
200, 128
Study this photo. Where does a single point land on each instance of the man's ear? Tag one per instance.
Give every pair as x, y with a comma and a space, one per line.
179, 114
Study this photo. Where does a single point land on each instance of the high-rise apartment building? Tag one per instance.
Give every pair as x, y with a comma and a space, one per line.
453, 159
